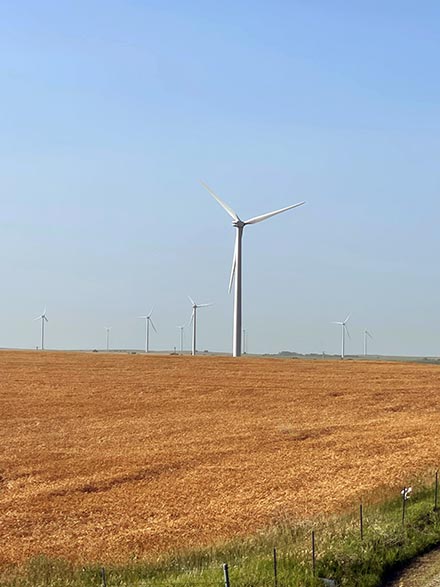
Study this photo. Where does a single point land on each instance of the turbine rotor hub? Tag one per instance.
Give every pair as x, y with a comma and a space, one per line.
238, 223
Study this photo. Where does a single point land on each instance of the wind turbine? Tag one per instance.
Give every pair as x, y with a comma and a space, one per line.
107, 329
181, 328
43, 319
148, 321
344, 330
194, 323
237, 262
366, 336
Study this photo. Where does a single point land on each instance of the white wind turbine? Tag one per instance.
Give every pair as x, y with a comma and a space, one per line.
148, 321
181, 328
107, 337
367, 335
194, 323
237, 262
344, 330
43, 319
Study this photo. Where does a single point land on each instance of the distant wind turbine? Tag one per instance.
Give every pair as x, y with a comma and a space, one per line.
367, 335
344, 330
107, 329
43, 319
181, 328
194, 323
237, 262
148, 321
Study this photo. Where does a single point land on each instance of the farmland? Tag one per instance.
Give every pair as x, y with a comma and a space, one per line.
109, 457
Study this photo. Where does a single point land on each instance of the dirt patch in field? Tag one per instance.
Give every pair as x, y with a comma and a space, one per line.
104, 456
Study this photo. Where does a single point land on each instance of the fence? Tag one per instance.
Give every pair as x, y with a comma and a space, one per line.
362, 531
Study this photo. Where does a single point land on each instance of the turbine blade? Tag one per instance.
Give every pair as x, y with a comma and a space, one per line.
347, 319
151, 312
152, 324
234, 264
347, 331
203, 305
340, 323
191, 319
38, 318
191, 300
270, 214
45, 318
225, 206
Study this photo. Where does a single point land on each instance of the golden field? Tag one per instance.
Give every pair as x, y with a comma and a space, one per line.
104, 456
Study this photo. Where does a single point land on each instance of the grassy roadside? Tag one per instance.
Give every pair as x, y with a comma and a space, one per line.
340, 554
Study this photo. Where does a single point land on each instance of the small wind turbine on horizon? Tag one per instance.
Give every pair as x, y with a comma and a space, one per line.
43, 319
367, 335
236, 270
181, 328
194, 323
344, 330
148, 321
107, 337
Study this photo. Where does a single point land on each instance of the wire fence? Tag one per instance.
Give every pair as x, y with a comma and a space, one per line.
359, 520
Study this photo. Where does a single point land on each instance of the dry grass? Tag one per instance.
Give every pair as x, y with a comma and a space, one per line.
106, 457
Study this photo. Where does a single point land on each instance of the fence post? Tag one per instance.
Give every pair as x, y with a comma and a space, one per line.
403, 507
226, 575
436, 492
313, 554
104, 578
275, 569
361, 520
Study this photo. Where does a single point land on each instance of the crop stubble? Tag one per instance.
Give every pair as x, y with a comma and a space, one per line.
104, 456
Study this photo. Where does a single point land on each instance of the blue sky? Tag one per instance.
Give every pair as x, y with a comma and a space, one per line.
112, 111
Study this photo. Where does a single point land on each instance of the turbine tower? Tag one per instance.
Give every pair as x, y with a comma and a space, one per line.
148, 321
237, 263
344, 330
107, 336
366, 336
43, 319
194, 323
181, 328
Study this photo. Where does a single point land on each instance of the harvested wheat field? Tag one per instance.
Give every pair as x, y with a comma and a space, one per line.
104, 457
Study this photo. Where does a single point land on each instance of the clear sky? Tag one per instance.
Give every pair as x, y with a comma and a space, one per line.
111, 111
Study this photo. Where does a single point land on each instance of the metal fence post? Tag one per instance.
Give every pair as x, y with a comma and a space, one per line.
104, 578
436, 492
226, 575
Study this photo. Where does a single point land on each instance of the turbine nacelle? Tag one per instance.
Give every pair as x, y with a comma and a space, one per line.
239, 223
195, 306
148, 319
42, 316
